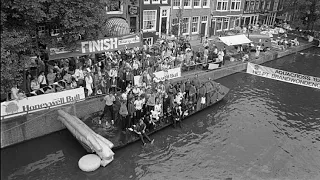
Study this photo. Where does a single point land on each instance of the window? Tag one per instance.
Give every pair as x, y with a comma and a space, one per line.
268, 6
275, 5
176, 3
195, 24
247, 6
175, 21
226, 23
55, 31
204, 19
262, 4
185, 25
164, 1
196, 3
155, 1
164, 13
114, 7
149, 20
146, 1
222, 5
187, 3
133, 24
235, 5
257, 6
148, 41
252, 6
41, 30
219, 24
205, 3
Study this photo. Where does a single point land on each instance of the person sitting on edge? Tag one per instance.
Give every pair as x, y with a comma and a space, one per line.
140, 129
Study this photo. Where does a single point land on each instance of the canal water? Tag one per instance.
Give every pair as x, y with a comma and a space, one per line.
264, 129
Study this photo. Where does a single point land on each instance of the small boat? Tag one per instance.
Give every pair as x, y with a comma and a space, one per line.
215, 93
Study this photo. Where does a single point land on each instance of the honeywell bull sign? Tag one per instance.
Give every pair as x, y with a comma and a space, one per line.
36, 103
109, 44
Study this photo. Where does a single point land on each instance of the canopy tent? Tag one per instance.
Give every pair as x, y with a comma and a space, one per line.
235, 40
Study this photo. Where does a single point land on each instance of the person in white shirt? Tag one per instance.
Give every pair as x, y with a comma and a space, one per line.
109, 98
79, 76
14, 92
220, 57
42, 80
89, 83
138, 104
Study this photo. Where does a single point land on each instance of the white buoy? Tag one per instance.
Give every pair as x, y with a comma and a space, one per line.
89, 162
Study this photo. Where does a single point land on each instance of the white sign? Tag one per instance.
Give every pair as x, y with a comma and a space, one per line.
170, 74
135, 39
40, 102
161, 75
285, 76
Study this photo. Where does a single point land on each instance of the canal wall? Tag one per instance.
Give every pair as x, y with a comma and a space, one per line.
23, 128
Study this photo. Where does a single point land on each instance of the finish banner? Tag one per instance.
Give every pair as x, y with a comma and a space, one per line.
285, 76
36, 103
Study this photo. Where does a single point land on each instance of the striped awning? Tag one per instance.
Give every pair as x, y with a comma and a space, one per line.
117, 27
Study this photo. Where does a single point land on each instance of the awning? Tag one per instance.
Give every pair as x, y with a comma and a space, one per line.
117, 27
235, 40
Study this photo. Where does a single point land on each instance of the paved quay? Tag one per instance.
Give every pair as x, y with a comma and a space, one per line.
17, 130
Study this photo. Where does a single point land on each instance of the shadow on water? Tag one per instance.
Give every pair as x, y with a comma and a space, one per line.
264, 129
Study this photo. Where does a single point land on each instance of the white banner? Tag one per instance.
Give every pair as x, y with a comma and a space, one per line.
40, 102
161, 75
170, 74
285, 76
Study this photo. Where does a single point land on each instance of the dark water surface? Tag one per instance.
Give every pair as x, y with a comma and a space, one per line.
264, 129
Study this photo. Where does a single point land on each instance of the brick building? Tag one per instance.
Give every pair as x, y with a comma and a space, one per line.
225, 15
155, 19
190, 17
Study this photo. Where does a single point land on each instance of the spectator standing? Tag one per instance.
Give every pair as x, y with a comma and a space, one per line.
89, 83
51, 76
42, 80
109, 98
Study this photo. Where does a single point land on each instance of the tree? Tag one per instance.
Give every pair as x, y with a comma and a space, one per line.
304, 12
177, 28
20, 38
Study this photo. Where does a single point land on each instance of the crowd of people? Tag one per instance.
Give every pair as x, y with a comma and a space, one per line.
114, 70
142, 109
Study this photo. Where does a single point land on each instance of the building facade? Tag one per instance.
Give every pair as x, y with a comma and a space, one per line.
226, 15
155, 19
190, 17
261, 11
123, 17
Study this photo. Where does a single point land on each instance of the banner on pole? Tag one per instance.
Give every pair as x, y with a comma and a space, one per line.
285, 76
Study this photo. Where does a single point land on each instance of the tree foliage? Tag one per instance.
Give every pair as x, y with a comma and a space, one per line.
304, 12
20, 39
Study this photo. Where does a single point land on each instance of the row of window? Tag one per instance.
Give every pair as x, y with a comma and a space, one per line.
222, 5
190, 23
190, 3
155, 1
259, 5
225, 23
